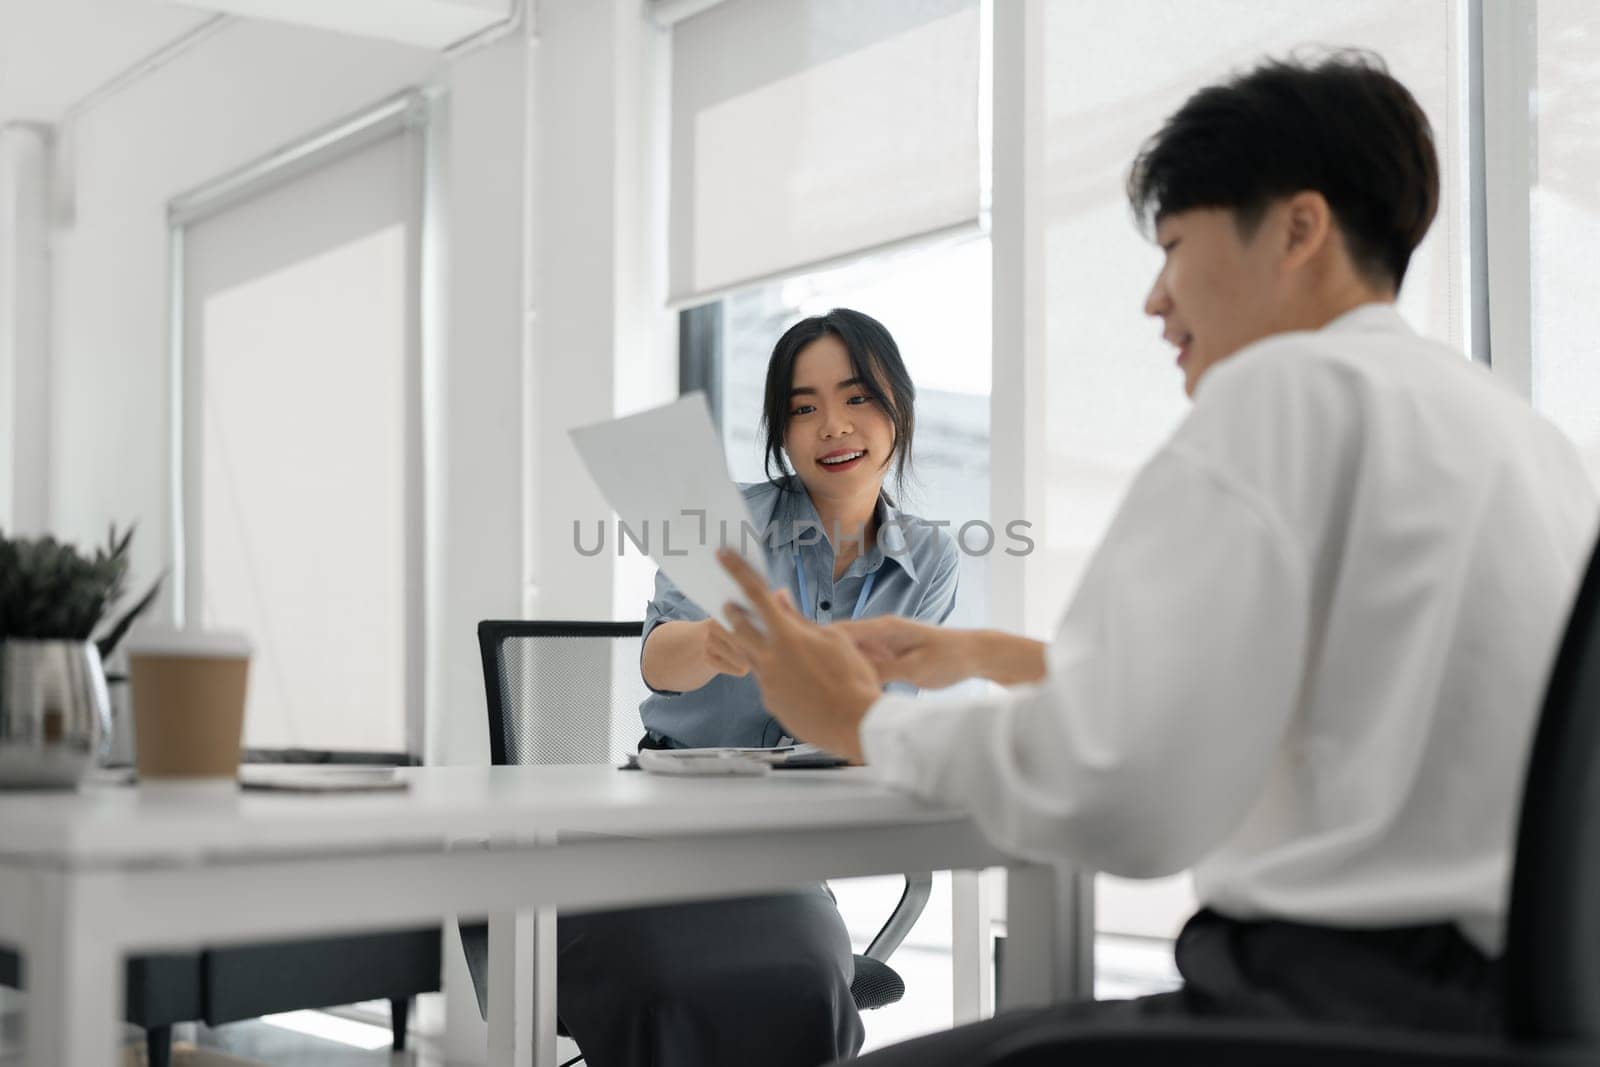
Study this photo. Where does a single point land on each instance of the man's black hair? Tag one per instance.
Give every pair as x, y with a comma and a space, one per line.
1342, 126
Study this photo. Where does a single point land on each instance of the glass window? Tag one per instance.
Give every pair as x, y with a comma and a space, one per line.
1566, 220
935, 302
1112, 392
936, 305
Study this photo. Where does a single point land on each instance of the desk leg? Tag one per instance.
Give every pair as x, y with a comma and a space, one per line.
72, 968
522, 988
1049, 954
544, 988
511, 945
972, 970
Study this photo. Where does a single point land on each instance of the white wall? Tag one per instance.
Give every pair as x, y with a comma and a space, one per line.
24, 329
646, 357
484, 479
598, 335
572, 297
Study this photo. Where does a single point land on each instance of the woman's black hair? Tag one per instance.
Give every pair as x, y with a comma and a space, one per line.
1341, 126
874, 359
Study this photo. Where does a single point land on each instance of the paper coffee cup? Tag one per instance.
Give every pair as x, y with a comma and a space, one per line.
188, 689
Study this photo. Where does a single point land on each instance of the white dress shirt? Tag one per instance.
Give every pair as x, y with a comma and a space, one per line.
1307, 658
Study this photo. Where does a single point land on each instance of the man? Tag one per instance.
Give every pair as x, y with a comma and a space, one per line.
1307, 659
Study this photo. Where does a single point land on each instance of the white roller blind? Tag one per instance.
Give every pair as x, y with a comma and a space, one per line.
806, 130
300, 446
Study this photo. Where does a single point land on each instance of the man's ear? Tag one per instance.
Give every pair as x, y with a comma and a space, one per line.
1308, 227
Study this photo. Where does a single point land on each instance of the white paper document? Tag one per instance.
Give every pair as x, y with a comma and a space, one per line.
664, 473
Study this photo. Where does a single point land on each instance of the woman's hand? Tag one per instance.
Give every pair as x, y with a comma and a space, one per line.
813, 680
721, 654
681, 656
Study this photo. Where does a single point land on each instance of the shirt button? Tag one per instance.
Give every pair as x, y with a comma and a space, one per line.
826, 605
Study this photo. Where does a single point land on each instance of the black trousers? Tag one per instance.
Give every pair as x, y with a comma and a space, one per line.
758, 980
1417, 977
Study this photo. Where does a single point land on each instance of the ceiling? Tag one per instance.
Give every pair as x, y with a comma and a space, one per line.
55, 52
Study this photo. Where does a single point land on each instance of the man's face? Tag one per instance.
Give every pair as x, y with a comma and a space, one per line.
1217, 291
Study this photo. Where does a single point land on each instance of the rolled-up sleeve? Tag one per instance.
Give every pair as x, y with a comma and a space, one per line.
668, 605
1169, 686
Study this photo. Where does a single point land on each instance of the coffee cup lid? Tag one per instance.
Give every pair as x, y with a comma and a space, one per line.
170, 642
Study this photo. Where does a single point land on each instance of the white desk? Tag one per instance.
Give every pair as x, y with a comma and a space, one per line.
87, 878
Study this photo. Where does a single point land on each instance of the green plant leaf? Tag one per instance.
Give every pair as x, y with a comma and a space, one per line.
51, 591
108, 643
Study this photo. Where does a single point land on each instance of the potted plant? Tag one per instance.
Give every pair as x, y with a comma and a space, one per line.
54, 707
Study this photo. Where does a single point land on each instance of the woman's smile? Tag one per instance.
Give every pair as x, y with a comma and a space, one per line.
841, 459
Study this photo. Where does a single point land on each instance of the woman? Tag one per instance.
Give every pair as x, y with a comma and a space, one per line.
766, 979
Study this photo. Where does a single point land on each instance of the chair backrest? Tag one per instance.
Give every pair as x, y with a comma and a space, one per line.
562, 692
1552, 956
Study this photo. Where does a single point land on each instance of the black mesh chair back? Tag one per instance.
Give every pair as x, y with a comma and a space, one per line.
562, 692
558, 692
1552, 958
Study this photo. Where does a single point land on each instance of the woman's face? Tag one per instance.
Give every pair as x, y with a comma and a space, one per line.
839, 438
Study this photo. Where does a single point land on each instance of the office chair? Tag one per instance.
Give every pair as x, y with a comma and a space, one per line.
569, 692
1551, 967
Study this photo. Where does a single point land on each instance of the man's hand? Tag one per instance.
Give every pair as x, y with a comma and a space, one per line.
903, 650
932, 657
813, 679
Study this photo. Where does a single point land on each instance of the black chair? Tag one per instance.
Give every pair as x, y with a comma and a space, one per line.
1551, 966
569, 692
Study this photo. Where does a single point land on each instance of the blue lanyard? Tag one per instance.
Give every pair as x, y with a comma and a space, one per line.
805, 597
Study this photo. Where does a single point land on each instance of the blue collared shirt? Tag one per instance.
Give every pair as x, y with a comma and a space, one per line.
917, 567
